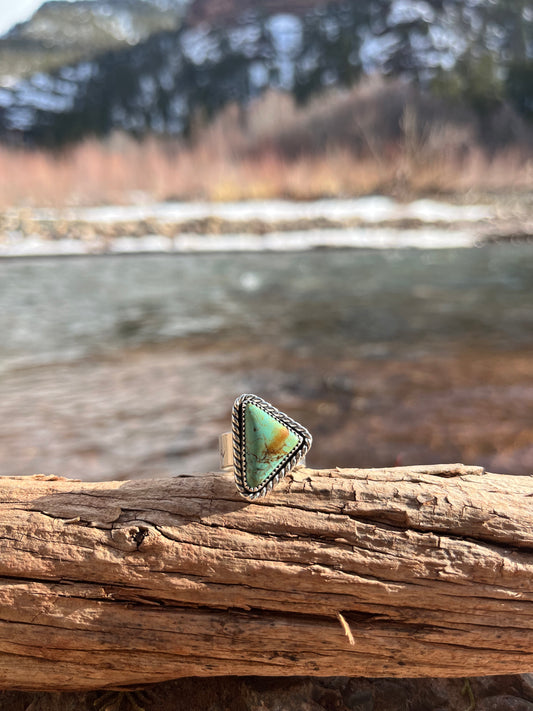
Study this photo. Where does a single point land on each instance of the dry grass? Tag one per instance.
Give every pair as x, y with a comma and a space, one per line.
375, 139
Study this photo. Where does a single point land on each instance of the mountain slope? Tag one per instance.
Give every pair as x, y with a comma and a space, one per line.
62, 32
160, 84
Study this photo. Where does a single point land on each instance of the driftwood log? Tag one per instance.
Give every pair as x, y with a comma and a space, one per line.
412, 571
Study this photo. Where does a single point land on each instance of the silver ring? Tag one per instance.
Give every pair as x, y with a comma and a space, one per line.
263, 445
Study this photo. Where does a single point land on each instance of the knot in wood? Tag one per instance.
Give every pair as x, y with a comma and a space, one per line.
129, 538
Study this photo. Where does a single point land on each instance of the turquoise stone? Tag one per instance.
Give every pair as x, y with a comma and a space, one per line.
266, 444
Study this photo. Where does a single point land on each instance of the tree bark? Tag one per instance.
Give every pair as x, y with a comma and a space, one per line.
410, 571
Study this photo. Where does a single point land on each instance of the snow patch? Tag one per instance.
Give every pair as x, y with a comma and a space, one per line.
200, 46
6, 97
244, 39
372, 209
287, 35
304, 240
410, 11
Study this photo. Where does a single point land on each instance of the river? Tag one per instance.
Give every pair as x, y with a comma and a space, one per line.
118, 367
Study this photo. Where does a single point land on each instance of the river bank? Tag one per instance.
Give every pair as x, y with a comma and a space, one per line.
270, 225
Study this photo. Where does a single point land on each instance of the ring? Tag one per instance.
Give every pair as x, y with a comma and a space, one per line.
263, 445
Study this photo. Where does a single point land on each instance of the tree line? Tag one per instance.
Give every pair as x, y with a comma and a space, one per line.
476, 52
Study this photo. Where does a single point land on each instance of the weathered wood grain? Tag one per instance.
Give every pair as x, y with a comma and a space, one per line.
411, 571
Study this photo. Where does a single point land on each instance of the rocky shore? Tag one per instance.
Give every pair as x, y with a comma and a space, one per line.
378, 222
495, 693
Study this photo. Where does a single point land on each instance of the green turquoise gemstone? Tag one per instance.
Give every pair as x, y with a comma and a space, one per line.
266, 444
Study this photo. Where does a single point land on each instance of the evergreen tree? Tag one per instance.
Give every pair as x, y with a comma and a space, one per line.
495, 38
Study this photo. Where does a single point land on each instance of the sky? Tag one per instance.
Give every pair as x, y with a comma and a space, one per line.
13, 11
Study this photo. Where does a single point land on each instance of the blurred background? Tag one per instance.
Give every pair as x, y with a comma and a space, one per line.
325, 204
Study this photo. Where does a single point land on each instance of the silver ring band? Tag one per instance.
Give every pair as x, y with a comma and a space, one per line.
225, 448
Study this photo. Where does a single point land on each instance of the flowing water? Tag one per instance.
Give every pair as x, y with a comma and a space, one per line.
124, 366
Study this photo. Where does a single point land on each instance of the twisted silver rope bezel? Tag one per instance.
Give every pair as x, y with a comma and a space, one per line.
239, 437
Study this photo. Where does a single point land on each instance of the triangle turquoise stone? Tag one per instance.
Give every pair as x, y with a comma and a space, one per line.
266, 444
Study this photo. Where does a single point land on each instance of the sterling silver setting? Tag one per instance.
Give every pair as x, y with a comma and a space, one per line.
232, 453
